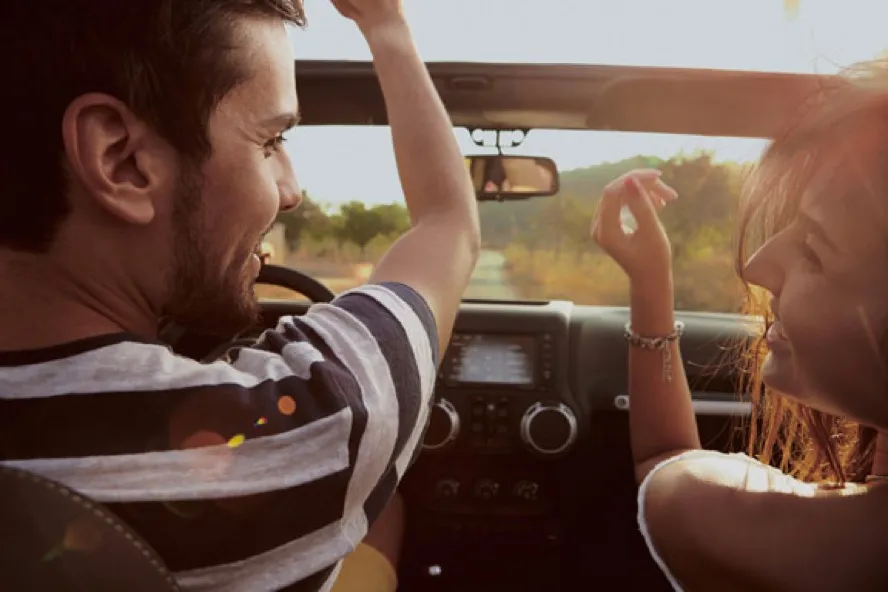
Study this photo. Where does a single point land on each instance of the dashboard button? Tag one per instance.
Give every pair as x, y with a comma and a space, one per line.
447, 488
526, 490
486, 489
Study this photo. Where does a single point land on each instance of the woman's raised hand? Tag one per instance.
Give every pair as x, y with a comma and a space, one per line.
645, 253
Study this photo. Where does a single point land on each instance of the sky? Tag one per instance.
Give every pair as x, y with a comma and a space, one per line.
821, 37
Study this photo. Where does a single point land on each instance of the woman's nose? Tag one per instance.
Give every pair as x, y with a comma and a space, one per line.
765, 267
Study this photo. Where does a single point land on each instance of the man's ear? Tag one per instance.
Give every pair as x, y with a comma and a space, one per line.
120, 162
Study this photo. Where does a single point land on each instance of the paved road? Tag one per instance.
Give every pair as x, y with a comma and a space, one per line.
489, 282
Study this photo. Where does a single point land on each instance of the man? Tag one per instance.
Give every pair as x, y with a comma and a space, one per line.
140, 167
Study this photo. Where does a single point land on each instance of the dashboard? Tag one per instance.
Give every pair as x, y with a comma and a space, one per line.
525, 479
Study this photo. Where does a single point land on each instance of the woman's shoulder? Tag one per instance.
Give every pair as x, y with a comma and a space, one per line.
708, 517
736, 470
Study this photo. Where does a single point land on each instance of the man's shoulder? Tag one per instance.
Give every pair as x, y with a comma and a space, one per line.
110, 364
392, 300
398, 316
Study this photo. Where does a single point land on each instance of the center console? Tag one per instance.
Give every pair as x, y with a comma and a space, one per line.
498, 394
502, 418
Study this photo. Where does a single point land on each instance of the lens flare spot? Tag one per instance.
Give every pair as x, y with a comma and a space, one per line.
202, 439
82, 535
236, 441
261, 421
287, 405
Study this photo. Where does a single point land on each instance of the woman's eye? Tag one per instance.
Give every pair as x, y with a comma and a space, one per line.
811, 255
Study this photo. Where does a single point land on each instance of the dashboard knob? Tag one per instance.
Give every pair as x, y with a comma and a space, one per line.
447, 488
549, 428
486, 489
443, 426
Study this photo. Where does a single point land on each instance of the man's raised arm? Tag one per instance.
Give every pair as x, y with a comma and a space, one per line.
437, 256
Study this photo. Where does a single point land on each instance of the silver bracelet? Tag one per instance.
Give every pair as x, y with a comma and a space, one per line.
660, 344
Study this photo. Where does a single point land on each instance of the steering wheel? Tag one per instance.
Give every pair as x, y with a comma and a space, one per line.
274, 275
277, 275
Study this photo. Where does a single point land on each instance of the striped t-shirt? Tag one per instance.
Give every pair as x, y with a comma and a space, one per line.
256, 473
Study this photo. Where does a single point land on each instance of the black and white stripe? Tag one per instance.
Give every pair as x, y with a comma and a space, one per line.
110, 417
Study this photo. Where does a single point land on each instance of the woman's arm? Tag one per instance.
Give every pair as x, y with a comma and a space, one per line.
662, 423
731, 523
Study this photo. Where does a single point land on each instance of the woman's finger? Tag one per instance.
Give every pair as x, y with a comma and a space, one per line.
655, 186
642, 205
665, 191
643, 175
606, 228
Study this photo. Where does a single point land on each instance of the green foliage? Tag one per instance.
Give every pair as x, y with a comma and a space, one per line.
551, 255
354, 223
310, 219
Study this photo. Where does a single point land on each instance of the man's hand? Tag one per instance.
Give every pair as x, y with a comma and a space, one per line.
370, 13
645, 254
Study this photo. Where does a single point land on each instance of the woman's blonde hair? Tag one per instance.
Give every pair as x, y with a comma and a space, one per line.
845, 122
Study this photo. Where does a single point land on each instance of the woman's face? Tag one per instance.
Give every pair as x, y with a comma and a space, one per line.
827, 273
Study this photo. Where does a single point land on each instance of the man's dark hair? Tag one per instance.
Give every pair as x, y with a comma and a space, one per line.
170, 61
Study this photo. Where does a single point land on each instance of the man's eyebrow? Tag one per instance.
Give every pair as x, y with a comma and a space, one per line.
282, 121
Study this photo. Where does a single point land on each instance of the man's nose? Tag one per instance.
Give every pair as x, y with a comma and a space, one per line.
291, 196
288, 187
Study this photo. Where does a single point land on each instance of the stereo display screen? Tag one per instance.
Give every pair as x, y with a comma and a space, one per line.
492, 359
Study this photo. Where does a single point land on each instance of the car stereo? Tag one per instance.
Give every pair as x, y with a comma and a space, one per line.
498, 360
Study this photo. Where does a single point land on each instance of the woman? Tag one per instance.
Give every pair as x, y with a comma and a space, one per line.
816, 223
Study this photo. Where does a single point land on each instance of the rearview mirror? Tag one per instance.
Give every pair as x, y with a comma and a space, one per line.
499, 177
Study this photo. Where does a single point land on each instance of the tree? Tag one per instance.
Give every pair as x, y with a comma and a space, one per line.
707, 198
309, 218
359, 225
550, 253
393, 218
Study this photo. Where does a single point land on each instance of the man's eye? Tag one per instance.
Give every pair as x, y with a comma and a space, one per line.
274, 145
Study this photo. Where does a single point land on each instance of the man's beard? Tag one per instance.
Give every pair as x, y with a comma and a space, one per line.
202, 296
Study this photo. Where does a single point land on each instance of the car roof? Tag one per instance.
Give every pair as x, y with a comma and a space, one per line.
578, 97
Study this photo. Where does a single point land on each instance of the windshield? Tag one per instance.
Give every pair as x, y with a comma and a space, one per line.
538, 249
803, 36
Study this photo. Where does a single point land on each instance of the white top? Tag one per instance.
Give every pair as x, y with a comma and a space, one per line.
771, 479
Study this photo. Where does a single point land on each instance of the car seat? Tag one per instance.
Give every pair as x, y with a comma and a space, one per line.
53, 538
